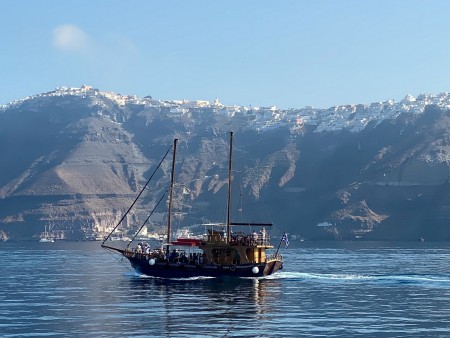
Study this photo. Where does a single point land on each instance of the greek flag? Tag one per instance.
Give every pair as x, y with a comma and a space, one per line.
285, 239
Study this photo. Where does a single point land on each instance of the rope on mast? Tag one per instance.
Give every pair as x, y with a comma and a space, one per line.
132, 205
151, 213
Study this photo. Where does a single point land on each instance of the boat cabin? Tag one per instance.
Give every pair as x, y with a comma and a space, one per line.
241, 248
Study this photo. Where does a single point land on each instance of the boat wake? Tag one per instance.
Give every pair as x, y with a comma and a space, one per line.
142, 276
434, 281
410, 279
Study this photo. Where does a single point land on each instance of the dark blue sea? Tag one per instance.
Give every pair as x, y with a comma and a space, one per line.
333, 289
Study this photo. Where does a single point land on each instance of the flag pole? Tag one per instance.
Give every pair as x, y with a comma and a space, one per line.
278, 249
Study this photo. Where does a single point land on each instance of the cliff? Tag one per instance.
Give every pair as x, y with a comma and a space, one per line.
75, 160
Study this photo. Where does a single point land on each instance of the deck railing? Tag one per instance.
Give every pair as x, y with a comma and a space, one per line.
249, 240
274, 257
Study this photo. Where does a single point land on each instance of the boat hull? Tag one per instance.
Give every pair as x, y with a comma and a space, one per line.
179, 270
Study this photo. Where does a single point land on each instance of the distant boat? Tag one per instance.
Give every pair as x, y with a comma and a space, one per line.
221, 251
45, 237
121, 238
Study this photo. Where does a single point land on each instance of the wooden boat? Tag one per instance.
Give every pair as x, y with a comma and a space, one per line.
221, 252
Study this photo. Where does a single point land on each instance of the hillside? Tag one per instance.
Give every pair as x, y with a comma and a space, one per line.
74, 160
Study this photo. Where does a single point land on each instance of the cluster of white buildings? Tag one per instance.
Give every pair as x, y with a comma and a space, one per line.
350, 117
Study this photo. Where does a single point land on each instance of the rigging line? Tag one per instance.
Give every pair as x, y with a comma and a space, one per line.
240, 208
132, 205
119, 260
267, 210
147, 218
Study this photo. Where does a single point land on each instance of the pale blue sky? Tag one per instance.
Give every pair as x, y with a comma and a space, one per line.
248, 52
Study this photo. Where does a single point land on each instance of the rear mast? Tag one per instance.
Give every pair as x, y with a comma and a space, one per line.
229, 188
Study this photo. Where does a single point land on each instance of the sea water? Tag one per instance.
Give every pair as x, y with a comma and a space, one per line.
333, 289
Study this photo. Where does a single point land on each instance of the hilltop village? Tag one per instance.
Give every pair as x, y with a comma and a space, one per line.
351, 117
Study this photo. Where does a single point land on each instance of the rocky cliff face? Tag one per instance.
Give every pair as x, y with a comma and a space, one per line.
75, 163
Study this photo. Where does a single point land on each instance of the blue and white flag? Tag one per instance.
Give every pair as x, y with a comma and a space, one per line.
285, 239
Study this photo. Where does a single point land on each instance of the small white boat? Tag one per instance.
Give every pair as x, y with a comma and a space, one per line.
45, 237
46, 240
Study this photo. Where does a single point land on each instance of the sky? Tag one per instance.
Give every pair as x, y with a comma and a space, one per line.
283, 53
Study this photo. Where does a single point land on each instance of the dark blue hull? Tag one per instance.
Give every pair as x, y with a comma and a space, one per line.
179, 270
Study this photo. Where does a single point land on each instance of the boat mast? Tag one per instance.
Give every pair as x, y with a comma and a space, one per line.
229, 188
169, 216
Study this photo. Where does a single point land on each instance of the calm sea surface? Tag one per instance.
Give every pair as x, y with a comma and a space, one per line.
345, 289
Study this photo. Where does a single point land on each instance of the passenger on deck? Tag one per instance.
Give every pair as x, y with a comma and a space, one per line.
195, 258
173, 256
161, 256
202, 258
255, 237
183, 258
263, 235
147, 248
